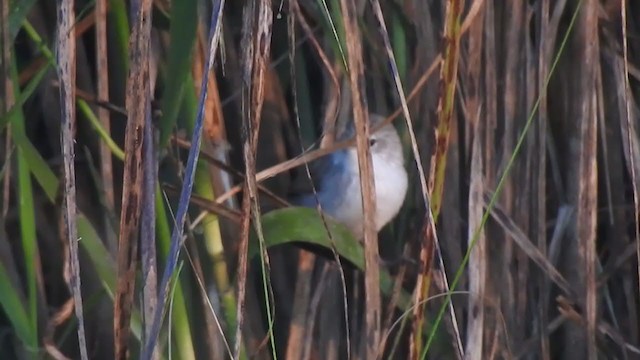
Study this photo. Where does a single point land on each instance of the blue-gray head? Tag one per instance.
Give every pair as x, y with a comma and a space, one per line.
337, 180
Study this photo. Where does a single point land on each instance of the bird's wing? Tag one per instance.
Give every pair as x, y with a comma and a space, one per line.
330, 177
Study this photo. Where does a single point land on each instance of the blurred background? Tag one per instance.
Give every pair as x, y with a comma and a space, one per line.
536, 167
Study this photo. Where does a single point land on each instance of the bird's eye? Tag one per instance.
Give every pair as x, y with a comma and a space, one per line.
372, 142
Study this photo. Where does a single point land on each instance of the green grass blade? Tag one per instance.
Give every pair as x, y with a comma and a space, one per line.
97, 126
27, 221
184, 21
179, 314
13, 307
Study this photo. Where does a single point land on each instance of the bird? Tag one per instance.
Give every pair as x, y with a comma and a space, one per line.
336, 178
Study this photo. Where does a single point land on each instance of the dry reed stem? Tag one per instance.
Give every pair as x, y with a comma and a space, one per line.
588, 183
102, 94
257, 34
136, 103
478, 260
478, 265
373, 309
445, 112
67, 75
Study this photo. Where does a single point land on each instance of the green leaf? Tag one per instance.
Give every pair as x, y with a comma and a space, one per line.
18, 11
297, 224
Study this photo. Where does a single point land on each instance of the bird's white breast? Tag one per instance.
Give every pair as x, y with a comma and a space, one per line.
391, 188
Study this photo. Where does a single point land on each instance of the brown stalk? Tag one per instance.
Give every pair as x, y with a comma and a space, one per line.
102, 78
67, 75
361, 122
137, 98
298, 328
513, 48
448, 80
257, 33
586, 181
545, 53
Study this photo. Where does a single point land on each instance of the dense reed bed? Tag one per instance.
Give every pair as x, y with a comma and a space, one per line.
149, 148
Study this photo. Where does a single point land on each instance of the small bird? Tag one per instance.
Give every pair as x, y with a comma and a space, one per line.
337, 180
